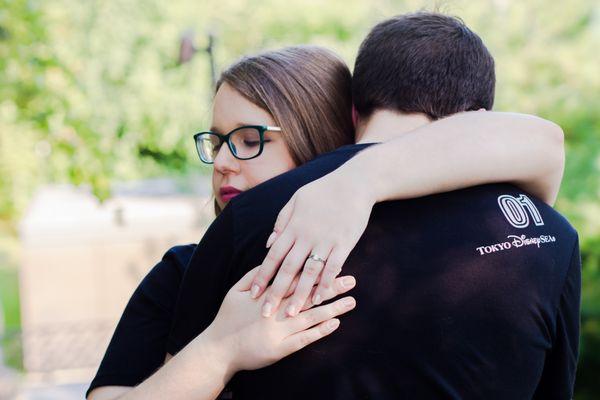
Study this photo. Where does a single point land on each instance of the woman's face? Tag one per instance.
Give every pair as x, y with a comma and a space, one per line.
230, 175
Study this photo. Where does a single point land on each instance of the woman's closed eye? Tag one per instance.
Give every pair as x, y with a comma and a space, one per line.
251, 143
254, 143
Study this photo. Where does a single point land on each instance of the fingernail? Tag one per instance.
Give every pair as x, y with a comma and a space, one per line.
333, 324
254, 291
291, 310
271, 239
317, 299
266, 310
348, 282
349, 303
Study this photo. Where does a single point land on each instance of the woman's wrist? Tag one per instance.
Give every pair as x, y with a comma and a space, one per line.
360, 176
214, 353
353, 184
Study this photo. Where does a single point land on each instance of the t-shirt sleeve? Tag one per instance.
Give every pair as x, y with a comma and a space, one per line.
204, 284
558, 376
138, 345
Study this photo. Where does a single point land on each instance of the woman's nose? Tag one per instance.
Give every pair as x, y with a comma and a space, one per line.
225, 161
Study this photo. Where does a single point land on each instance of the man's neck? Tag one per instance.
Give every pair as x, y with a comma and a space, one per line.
384, 125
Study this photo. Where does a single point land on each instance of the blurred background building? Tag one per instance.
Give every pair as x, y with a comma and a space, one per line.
93, 93
80, 262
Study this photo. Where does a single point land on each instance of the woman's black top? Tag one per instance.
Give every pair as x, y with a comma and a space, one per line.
138, 346
141, 339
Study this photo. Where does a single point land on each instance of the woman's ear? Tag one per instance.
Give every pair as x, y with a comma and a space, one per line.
354, 116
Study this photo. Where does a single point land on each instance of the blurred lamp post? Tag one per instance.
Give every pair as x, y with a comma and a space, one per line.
187, 50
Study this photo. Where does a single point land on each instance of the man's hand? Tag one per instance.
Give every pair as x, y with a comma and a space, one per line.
324, 219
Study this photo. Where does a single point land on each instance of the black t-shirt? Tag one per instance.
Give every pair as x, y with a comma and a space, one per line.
138, 345
471, 294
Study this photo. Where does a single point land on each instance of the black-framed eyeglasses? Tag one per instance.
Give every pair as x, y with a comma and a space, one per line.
245, 142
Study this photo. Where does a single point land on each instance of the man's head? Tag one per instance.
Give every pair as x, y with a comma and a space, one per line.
425, 63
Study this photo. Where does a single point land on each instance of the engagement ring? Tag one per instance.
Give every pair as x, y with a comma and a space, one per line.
315, 257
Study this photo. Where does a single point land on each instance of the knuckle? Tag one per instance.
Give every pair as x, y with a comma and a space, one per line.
312, 268
278, 222
333, 270
326, 285
311, 318
278, 228
277, 293
261, 279
295, 303
304, 340
289, 267
338, 286
323, 330
274, 297
336, 267
326, 295
274, 255
340, 307
298, 297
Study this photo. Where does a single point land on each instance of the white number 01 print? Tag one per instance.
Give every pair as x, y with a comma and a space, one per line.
517, 210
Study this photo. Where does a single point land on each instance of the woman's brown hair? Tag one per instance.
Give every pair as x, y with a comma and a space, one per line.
307, 91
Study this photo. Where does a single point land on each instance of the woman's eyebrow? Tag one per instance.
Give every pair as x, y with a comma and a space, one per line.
237, 125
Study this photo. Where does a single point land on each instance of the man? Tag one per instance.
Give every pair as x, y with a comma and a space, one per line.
469, 294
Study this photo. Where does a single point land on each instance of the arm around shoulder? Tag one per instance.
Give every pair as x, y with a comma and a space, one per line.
463, 150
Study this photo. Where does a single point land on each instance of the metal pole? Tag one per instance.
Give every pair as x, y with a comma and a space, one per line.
187, 50
211, 58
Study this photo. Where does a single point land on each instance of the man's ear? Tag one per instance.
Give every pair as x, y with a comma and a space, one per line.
354, 116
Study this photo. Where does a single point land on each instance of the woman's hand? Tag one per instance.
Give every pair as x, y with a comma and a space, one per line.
247, 341
325, 218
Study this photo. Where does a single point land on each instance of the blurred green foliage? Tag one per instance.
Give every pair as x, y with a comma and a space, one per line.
90, 91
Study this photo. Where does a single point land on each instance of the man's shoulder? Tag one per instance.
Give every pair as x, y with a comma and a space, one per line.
491, 210
509, 199
517, 207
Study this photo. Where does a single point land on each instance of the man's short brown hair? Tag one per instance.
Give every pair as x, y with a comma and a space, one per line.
423, 63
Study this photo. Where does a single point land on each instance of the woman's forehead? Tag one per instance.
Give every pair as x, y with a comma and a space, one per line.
231, 110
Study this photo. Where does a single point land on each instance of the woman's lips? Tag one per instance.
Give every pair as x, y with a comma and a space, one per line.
227, 197
228, 192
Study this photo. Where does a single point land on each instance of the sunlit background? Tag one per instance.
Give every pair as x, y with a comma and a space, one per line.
99, 176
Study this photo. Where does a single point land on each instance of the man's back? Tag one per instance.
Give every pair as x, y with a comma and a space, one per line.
470, 294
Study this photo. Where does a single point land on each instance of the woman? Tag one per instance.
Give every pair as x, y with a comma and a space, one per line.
299, 99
